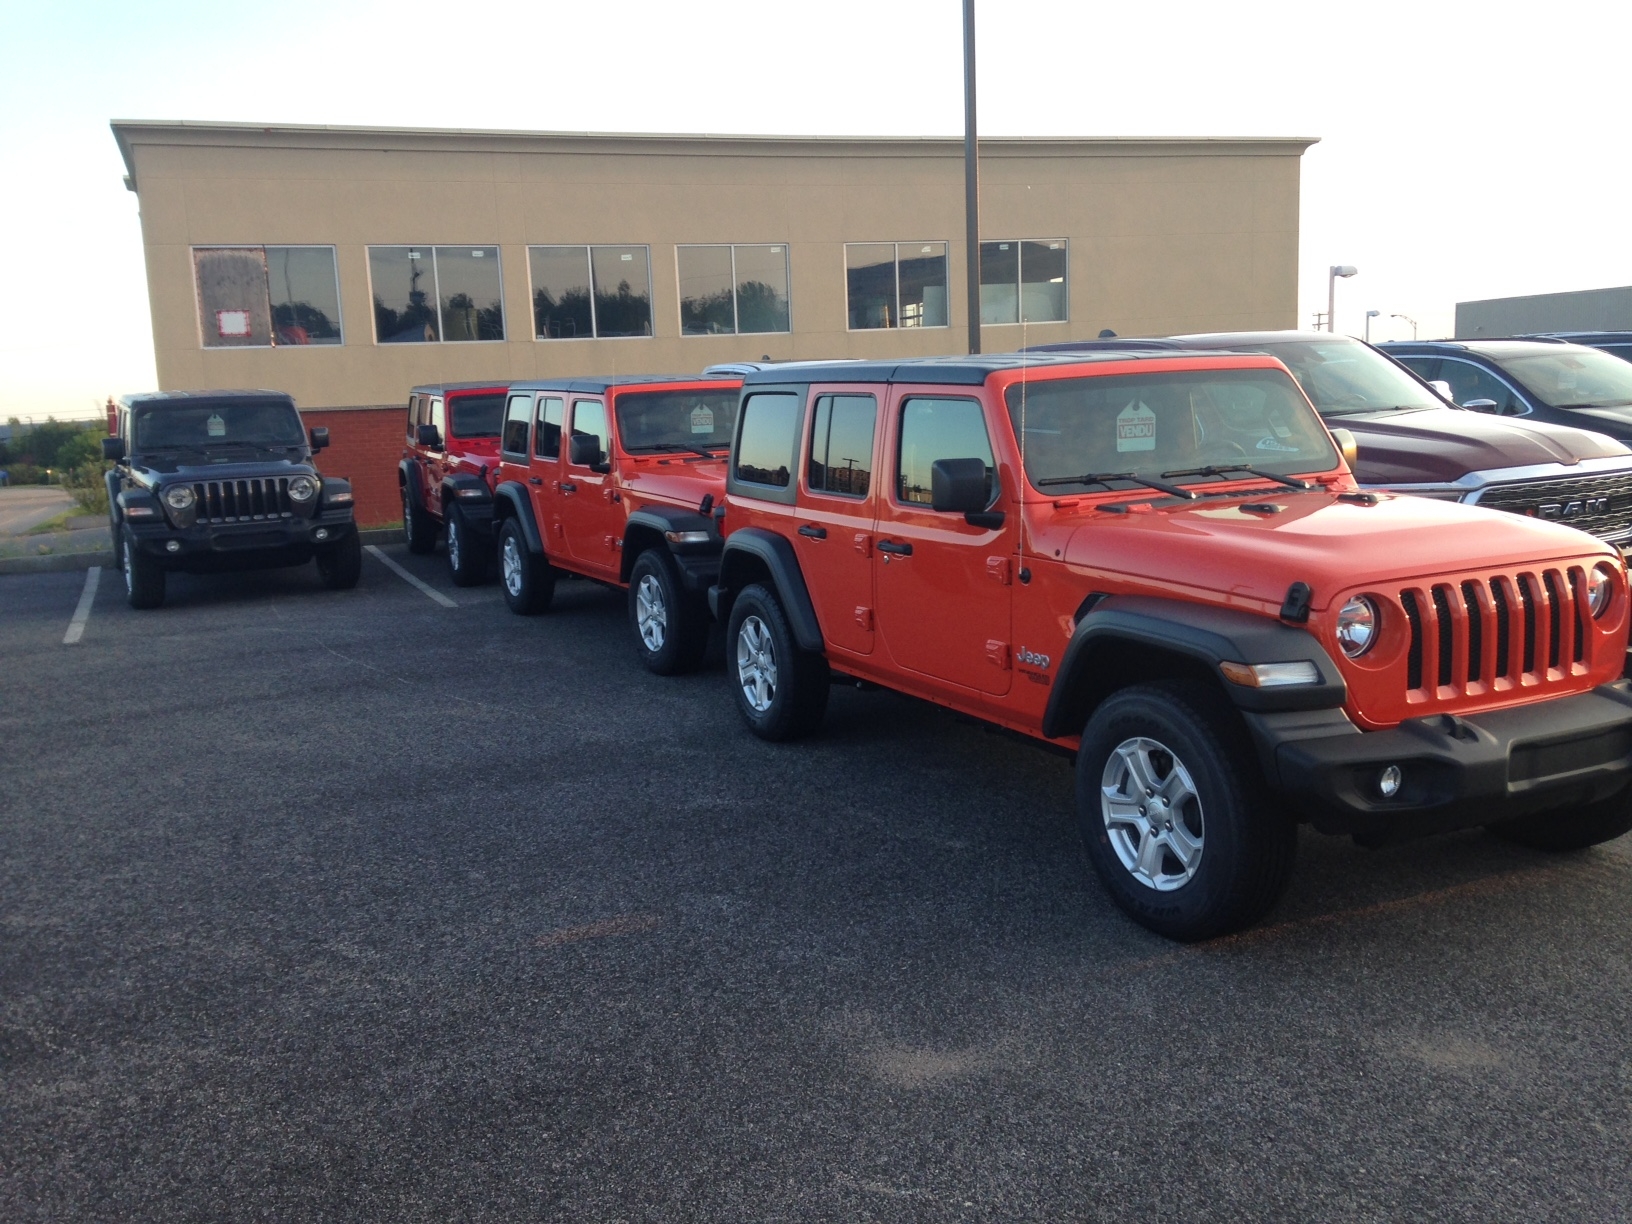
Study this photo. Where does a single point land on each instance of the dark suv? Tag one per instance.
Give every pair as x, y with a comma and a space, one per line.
1541, 380
448, 468
205, 481
1616, 343
1409, 440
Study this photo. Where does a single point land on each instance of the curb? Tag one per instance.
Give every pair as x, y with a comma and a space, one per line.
56, 563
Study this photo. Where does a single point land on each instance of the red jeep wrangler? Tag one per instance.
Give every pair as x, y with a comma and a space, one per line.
615, 479
1161, 562
447, 473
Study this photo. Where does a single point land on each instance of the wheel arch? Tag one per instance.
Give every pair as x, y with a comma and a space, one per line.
510, 501
756, 555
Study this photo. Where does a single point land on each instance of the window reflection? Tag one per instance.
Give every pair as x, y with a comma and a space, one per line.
470, 293
841, 445
426, 294
404, 283
623, 291
733, 289
255, 297
1023, 281
896, 284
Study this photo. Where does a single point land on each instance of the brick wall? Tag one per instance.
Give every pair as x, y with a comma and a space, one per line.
364, 447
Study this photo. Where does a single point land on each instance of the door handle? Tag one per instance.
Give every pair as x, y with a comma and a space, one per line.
534, 480
813, 532
568, 487
890, 546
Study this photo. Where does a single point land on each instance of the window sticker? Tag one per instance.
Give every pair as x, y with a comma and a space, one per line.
1279, 426
1270, 444
1136, 428
232, 324
216, 427
702, 420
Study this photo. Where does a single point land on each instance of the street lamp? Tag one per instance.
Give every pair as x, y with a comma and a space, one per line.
1409, 320
1370, 315
1335, 271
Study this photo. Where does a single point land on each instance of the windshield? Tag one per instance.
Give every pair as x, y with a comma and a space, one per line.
1165, 423
217, 426
1573, 377
475, 416
1343, 376
658, 421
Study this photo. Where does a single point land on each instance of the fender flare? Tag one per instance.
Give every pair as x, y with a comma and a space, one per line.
659, 521
1194, 632
777, 556
110, 478
510, 500
408, 476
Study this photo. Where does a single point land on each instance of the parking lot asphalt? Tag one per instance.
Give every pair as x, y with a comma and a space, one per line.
352, 905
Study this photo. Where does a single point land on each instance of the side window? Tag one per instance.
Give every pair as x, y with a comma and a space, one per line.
413, 416
552, 410
841, 445
589, 418
517, 414
766, 438
438, 418
1469, 382
934, 428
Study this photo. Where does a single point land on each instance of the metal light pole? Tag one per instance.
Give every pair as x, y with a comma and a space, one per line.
1370, 315
971, 176
1335, 271
1409, 320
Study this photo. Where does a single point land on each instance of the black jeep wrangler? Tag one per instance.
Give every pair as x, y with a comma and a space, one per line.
205, 481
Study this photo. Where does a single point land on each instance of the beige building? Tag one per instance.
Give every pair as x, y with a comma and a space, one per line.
345, 265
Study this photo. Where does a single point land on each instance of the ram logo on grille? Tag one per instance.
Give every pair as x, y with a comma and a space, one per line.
1564, 511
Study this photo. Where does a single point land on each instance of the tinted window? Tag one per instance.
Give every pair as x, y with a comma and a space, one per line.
841, 445
476, 416
1341, 376
656, 421
561, 309
1024, 281
1470, 382
471, 294
770, 424
896, 284
623, 290
413, 414
1574, 377
1164, 424
305, 295
589, 419
436, 418
217, 426
258, 296
934, 429
552, 411
404, 284
424, 294
726, 289
516, 418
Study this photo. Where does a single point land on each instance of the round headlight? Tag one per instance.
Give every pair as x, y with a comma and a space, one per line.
302, 488
1357, 626
178, 497
1600, 586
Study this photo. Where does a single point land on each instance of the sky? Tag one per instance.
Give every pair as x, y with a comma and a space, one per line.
1463, 154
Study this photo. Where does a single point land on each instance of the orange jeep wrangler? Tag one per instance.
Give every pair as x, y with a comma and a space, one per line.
615, 479
1161, 562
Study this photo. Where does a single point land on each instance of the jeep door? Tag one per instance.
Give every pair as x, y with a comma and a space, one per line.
592, 522
436, 459
837, 506
944, 590
544, 470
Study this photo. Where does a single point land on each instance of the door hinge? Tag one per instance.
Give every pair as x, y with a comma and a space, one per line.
613, 542
864, 544
1001, 569
864, 618
998, 654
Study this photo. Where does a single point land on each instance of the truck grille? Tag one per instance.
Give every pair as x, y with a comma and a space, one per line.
1476, 635
1601, 505
243, 501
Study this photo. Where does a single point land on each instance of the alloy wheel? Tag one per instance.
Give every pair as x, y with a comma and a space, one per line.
511, 563
1152, 813
651, 613
756, 664
453, 541
130, 556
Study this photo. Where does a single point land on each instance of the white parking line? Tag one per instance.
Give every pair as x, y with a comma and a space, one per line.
76, 627
411, 580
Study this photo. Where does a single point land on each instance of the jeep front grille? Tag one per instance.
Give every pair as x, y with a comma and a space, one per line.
1601, 505
1480, 634
243, 501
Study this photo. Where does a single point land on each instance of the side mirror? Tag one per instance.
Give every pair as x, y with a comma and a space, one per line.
429, 436
958, 486
320, 437
113, 449
1444, 389
585, 451
1481, 405
1347, 444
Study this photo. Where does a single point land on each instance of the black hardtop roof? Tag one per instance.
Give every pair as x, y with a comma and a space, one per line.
445, 387
599, 386
150, 399
1517, 347
970, 371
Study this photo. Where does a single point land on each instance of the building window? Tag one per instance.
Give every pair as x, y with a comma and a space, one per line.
582, 291
728, 290
1023, 281
261, 296
425, 294
895, 284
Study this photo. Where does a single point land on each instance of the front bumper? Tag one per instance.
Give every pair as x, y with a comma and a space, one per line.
268, 542
1455, 772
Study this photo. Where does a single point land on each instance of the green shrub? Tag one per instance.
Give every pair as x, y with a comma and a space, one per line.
26, 474
86, 484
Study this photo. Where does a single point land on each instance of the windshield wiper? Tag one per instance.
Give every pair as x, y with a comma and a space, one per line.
1595, 404
672, 448
1224, 469
1104, 478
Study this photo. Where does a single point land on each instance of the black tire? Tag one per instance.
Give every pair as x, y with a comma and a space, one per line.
341, 565
418, 528
1571, 828
527, 579
144, 577
788, 702
671, 627
1220, 856
469, 555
